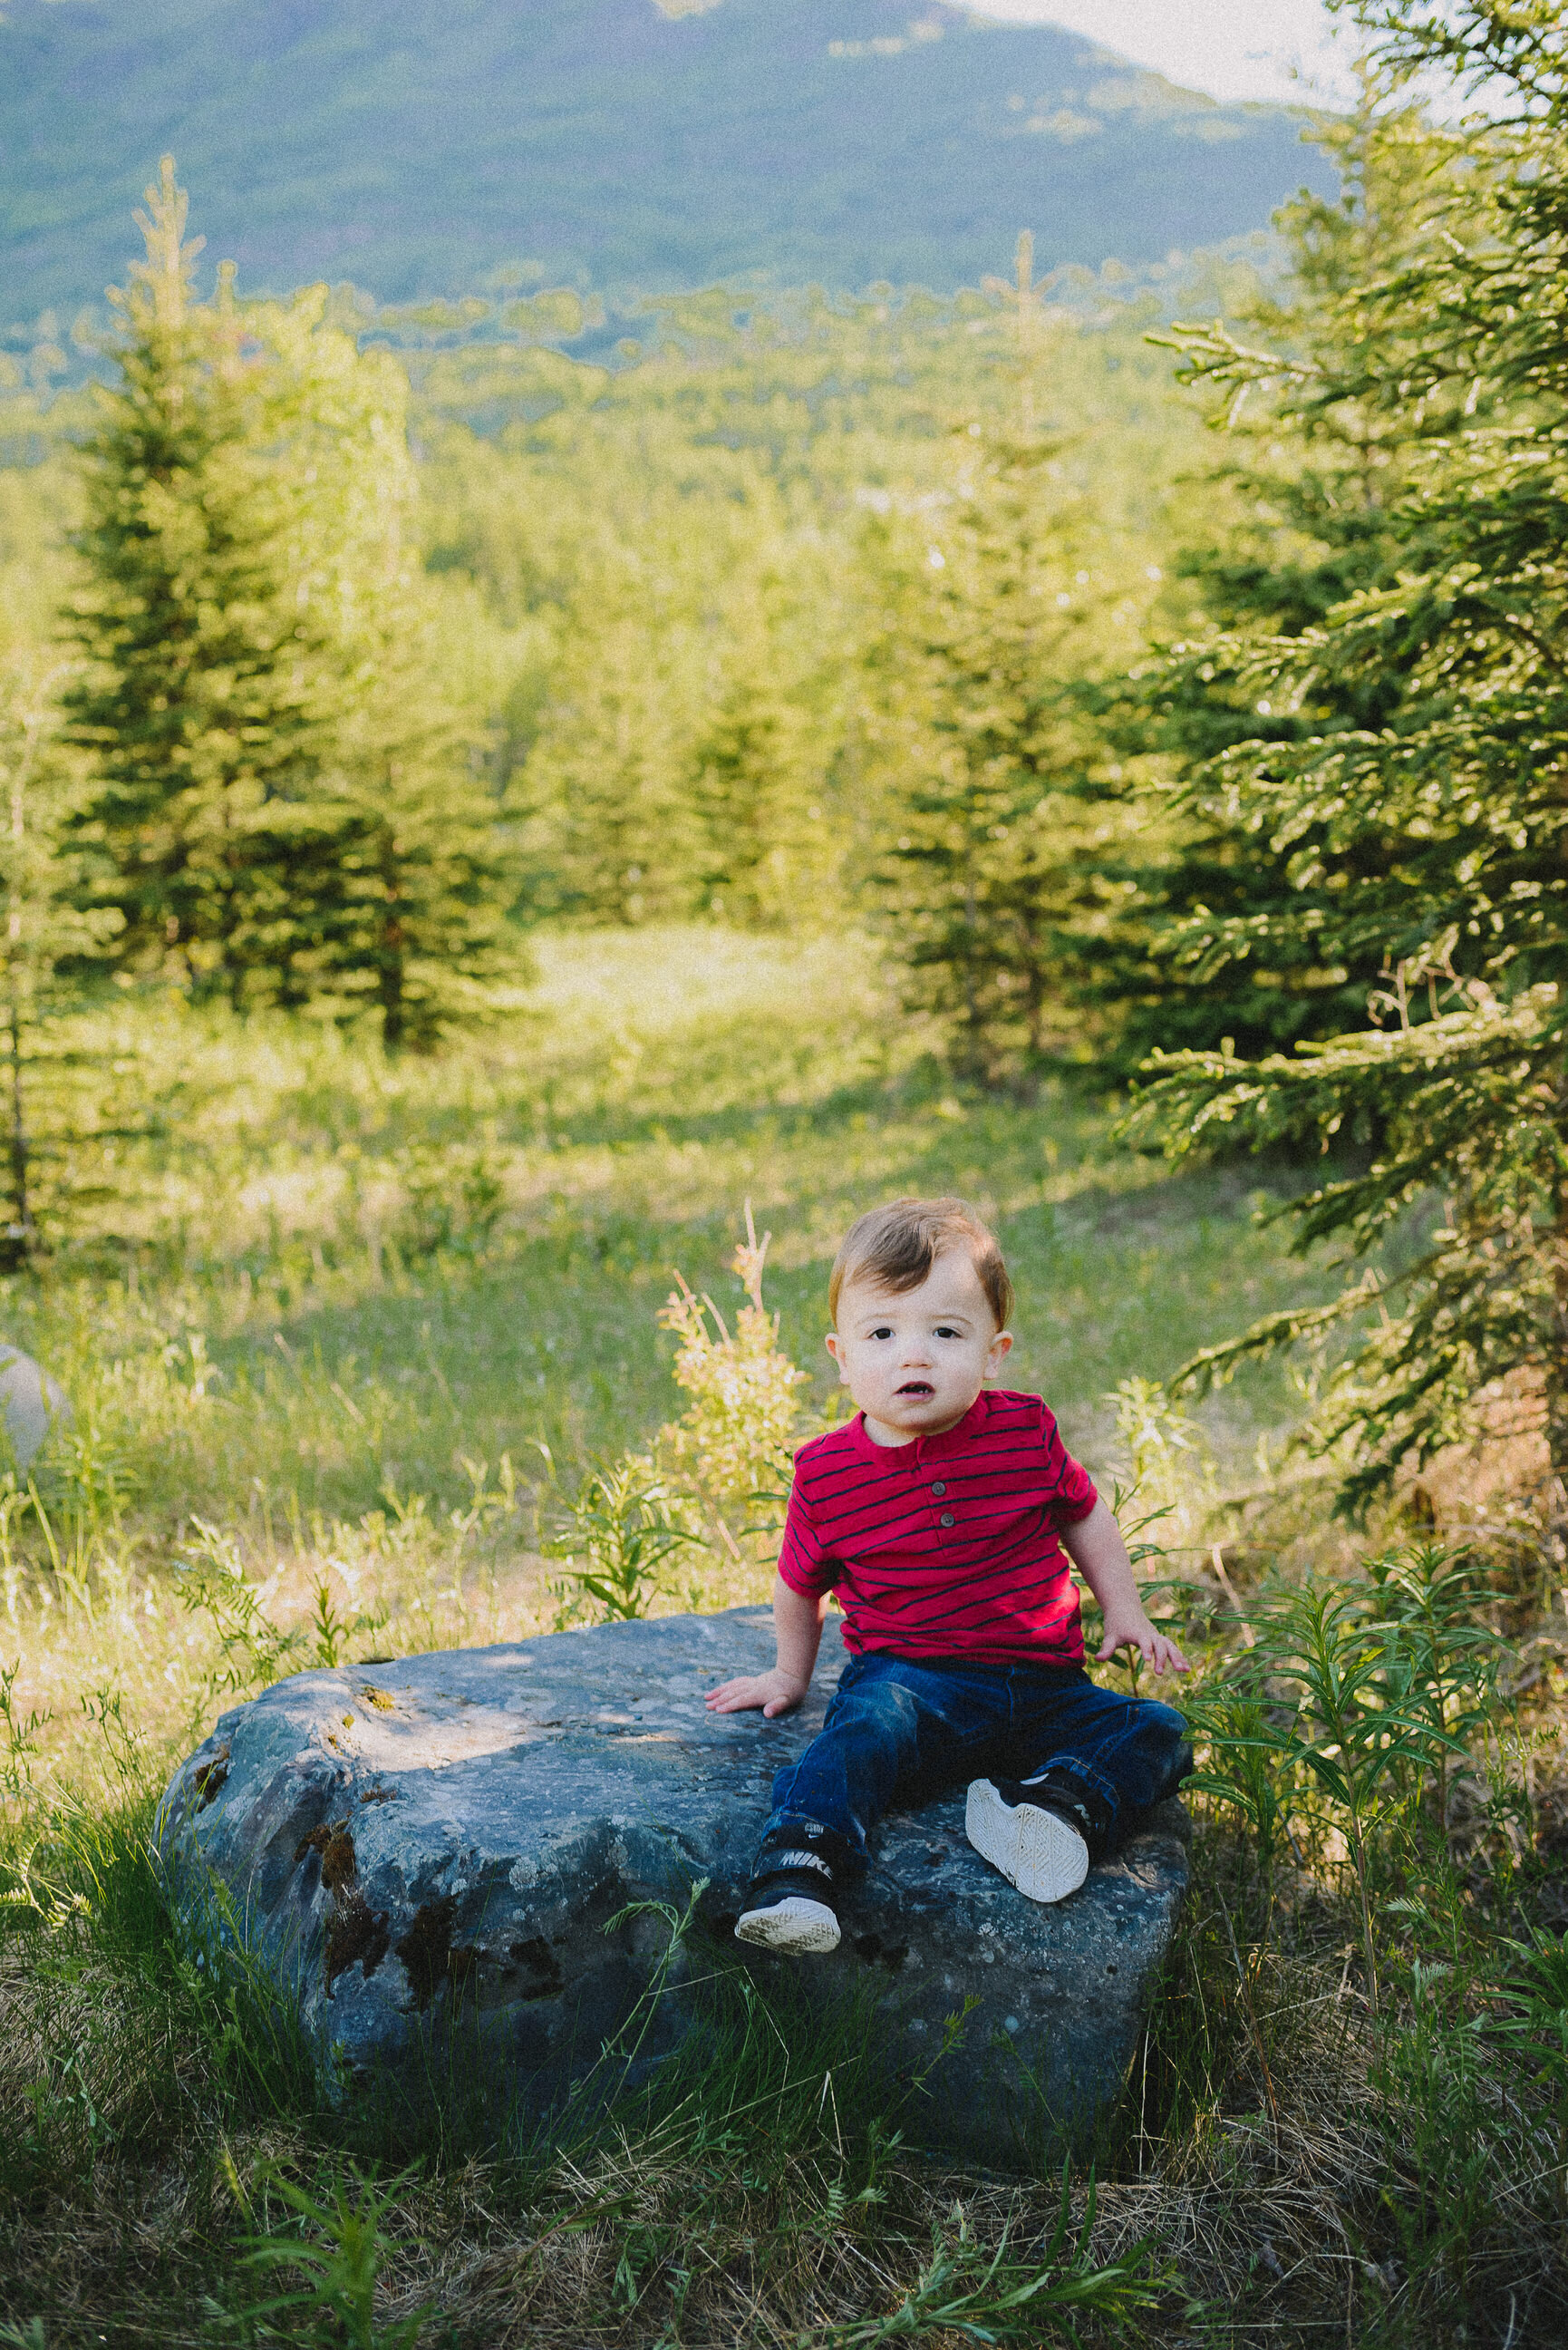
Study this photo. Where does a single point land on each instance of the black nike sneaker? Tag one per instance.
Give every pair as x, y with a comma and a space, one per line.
789, 1905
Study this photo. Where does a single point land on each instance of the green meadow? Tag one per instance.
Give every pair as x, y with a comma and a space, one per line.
467, 1255
352, 1336
357, 1332
341, 1277
346, 1296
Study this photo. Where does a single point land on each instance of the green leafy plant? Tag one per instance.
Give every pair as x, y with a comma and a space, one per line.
1248, 1766
1533, 2023
339, 2255
333, 1632
1000, 2299
618, 1539
1435, 1596
455, 1199
732, 1448
253, 1651
1447, 2129
626, 2046
20, 1751
1333, 1708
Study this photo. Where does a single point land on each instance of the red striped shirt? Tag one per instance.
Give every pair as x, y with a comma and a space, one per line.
947, 1546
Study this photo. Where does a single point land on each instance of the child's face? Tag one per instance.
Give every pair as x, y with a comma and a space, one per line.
914, 1359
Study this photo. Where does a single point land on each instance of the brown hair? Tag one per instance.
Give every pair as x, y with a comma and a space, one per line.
896, 1246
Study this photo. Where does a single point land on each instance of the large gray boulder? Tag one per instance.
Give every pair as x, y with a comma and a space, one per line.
437, 1844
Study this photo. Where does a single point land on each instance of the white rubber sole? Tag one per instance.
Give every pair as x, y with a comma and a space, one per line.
796, 1927
1036, 1850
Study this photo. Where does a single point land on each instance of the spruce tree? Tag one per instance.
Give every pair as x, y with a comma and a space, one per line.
420, 931
604, 815
998, 883
761, 785
1305, 494
46, 939
196, 705
1436, 839
283, 810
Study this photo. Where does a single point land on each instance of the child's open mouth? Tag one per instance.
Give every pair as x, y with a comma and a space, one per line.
917, 1387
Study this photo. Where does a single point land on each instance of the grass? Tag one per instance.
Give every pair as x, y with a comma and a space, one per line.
343, 1344
340, 1294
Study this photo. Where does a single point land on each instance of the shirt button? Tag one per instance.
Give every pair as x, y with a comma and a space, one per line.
939, 1488
947, 1519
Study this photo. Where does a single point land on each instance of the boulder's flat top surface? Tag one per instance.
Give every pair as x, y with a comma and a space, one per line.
408, 1838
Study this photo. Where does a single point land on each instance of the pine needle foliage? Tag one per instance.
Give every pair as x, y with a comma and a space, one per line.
1000, 880
1434, 837
197, 708
761, 787
284, 809
1306, 488
421, 879
49, 1088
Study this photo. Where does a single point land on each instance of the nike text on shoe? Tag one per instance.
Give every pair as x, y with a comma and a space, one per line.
789, 1906
1036, 1848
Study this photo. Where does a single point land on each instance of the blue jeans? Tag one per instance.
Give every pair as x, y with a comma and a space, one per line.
900, 1731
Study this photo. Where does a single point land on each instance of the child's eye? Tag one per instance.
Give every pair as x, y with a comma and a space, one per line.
945, 1330
883, 1333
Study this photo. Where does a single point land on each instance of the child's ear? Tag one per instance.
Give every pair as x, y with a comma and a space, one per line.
831, 1343
1001, 1348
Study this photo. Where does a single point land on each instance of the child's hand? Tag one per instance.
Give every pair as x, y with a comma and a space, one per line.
1134, 1630
775, 1693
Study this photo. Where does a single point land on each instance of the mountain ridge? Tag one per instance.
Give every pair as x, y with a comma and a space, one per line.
625, 144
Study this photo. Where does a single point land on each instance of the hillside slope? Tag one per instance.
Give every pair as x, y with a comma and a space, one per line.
620, 142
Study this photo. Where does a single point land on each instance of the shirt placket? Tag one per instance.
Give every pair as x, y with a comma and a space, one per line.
938, 1486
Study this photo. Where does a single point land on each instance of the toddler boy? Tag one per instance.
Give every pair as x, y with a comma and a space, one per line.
944, 1514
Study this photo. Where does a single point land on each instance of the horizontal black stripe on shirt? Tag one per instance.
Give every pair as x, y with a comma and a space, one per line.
944, 1575
872, 1510
996, 1444
957, 1565
857, 1500
953, 1562
973, 1619
950, 1549
949, 1555
926, 1608
1013, 1459
993, 1501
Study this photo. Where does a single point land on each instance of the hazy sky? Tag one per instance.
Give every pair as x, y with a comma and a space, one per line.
1232, 48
